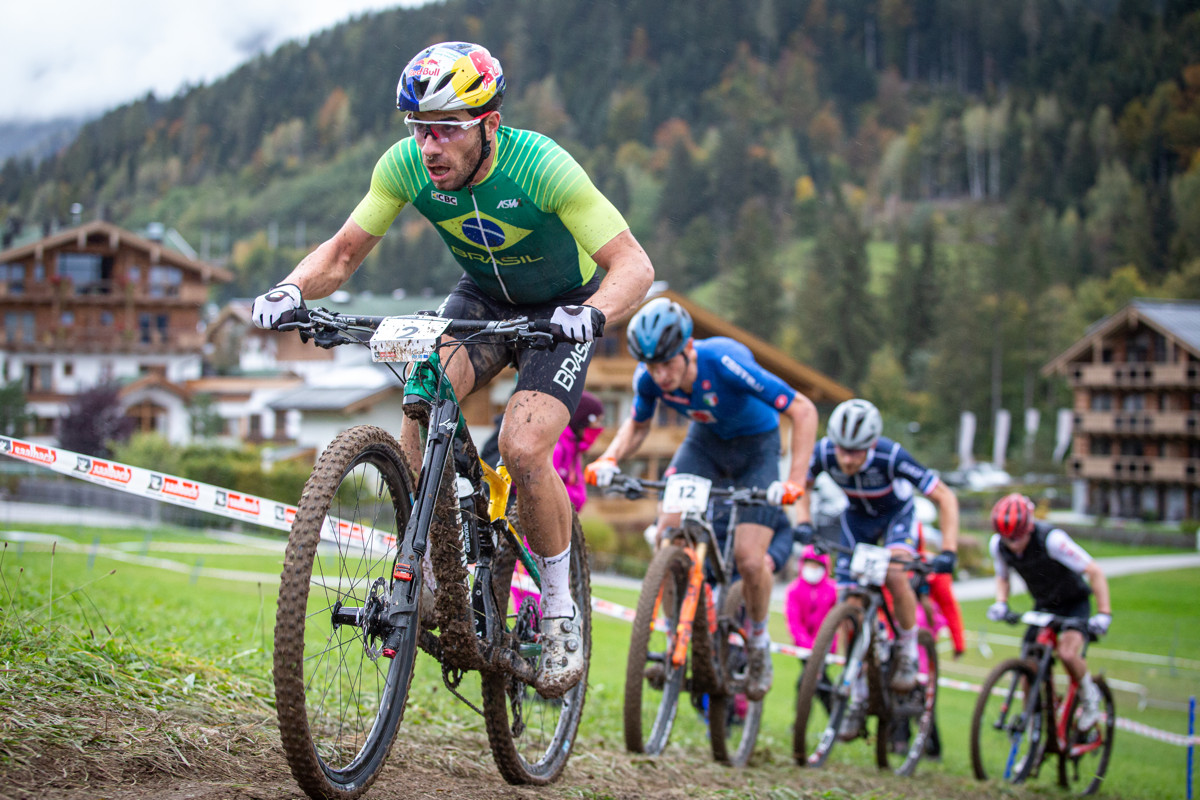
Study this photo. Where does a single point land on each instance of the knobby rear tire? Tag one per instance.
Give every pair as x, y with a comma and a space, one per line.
1084, 774
536, 751
920, 726
727, 746
339, 704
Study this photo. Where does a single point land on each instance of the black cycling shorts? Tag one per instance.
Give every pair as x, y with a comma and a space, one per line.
559, 373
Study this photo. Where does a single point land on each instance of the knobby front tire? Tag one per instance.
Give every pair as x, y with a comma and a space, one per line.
816, 728
1082, 766
733, 719
913, 713
652, 700
1010, 726
532, 736
339, 700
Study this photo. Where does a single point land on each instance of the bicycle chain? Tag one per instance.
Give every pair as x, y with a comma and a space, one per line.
452, 677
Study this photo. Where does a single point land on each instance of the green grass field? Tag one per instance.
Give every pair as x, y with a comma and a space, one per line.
131, 626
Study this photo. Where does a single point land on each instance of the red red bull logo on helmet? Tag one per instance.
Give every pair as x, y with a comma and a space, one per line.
485, 65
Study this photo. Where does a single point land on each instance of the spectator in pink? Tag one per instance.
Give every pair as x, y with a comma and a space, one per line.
809, 597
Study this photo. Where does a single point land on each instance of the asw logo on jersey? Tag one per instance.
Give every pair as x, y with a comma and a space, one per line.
512, 203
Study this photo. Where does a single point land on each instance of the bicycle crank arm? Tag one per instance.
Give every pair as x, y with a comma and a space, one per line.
509, 661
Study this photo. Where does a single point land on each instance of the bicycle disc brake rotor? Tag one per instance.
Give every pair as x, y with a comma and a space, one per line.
371, 619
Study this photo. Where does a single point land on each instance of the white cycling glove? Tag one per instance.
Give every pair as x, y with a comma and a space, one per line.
997, 612
1098, 624
578, 323
277, 306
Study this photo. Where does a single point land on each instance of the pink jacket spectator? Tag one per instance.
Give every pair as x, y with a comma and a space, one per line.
807, 604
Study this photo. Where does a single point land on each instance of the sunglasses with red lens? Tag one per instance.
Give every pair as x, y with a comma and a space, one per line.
449, 130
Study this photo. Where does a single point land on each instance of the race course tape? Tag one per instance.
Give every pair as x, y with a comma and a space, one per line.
178, 491
205, 497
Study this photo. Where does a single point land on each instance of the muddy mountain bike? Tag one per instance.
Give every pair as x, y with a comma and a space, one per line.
681, 641
860, 637
351, 611
1020, 717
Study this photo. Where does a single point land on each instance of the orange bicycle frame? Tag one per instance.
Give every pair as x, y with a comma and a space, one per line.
687, 612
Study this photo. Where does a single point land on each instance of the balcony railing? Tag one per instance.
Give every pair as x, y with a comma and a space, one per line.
1135, 376
1139, 423
103, 339
1137, 469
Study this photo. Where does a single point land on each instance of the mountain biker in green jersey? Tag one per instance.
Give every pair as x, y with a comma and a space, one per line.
529, 229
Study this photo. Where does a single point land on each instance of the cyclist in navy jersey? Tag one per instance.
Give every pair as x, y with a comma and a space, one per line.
734, 406
879, 478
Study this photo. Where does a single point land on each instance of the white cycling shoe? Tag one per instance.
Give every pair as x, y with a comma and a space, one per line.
562, 662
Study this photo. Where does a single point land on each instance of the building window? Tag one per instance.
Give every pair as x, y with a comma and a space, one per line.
90, 273
1133, 402
12, 277
67, 319
37, 378
1101, 446
39, 272
18, 326
145, 416
106, 319
1132, 447
68, 369
1101, 401
165, 281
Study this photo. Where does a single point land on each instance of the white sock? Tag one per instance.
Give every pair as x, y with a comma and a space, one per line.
908, 640
759, 635
556, 584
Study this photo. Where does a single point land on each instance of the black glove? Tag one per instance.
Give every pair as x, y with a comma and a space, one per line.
577, 323
944, 562
804, 533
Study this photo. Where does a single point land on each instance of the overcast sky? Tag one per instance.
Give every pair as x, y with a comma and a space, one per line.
72, 57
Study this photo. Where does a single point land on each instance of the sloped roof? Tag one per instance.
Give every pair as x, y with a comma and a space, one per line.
117, 236
346, 399
816, 385
1178, 320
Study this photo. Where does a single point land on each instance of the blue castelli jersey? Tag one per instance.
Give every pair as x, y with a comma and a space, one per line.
884, 485
732, 394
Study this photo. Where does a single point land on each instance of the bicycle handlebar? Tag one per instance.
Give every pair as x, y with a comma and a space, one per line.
330, 328
637, 488
1043, 619
918, 565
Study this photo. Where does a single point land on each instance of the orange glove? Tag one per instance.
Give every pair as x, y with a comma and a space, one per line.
601, 471
784, 493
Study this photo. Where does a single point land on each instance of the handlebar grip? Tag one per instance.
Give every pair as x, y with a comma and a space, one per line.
540, 326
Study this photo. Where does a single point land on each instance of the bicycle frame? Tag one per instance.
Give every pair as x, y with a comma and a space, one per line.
699, 552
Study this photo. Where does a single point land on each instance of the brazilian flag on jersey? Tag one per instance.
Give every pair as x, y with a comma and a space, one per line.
524, 234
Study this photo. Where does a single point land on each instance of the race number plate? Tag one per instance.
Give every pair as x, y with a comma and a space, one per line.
1038, 619
686, 493
869, 564
412, 338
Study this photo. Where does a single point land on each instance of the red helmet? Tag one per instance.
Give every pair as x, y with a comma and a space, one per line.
1012, 516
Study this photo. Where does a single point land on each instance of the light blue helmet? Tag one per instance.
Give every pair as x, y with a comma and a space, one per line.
658, 331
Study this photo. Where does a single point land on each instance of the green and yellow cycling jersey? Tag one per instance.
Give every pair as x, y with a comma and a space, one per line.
525, 234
